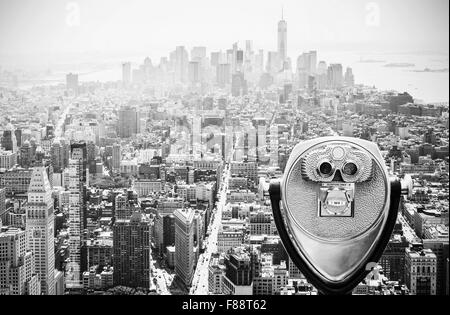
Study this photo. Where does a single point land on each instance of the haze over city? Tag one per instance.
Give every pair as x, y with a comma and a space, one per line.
224, 148
155, 27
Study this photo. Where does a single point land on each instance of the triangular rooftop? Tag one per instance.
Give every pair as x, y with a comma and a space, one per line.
39, 181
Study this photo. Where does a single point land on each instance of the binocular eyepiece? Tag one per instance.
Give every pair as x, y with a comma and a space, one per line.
335, 209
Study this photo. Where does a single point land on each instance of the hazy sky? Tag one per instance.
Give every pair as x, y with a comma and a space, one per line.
156, 27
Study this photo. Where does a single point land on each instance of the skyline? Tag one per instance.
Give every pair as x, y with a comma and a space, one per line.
221, 148
104, 28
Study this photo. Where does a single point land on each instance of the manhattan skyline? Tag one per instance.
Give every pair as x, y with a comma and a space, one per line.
247, 148
155, 27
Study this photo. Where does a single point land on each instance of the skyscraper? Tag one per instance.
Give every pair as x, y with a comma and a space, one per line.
7, 159
262, 140
18, 134
2, 204
184, 245
132, 252
238, 84
307, 63
312, 62
128, 122
164, 227
223, 74
181, 60
215, 58
420, 271
393, 259
349, 77
91, 155
229, 135
239, 60
9, 141
238, 276
116, 157
274, 145
335, 76
440, 249
122, 207
26, 158
60, 155
251, 137
248, 49
322, 75
272, 61
126, 73
259, 61
78, 179
194, 72
198, 53
197, 134
17, 272
168, 230
39, 227
72, 83
282, 39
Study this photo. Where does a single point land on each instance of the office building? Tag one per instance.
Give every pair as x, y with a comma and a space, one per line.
126, 73
2, 205
245, 169
216, 274
194, 72
261, 223
40, 229
180, 60
18, 134
349, 78
335, 76
116, 157
78, 180
26, 158
164, 232
9, 141
223, 74
270, 278
15, 181
7, 159
60, 152
185, 246
420, 271
229, 237
238, 278
122, 209
238, 85
307, 63
197, 133
132, 251
17, 270
128, 122
393, 260
282, 40
72, 83
440, 249
99, 252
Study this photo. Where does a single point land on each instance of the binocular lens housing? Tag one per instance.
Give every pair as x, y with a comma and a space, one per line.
338, 209
326, 169
350, 169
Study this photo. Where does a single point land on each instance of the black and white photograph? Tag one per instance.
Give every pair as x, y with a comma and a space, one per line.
224, 152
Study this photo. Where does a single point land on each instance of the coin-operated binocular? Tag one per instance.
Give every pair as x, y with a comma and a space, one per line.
338, 209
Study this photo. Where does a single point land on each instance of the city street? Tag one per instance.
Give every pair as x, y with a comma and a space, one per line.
162, 277
133, 132
59, 127
200, 279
